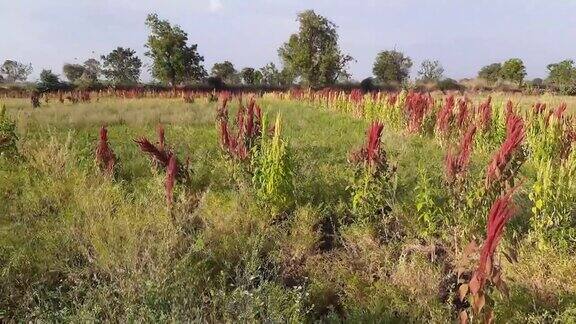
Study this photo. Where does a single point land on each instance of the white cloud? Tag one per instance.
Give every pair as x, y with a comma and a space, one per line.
215, 5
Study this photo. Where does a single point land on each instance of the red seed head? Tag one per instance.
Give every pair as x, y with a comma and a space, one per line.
171, 172
515, 134
104, 154
161, 157
161, 137
500, 213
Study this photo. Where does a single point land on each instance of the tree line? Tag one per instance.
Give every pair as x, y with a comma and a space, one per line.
311, 56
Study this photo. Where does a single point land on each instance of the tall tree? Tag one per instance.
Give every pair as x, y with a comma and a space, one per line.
430, 71
562, 75
490, 73
14, 71
73, 72
48, 81
270, 75
92, 69
392, 66
174, 61
313, 53
122, 66
250, 75
513, 70
225, 71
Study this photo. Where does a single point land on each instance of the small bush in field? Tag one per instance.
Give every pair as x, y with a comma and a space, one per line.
8, 137
374, 182
273, 171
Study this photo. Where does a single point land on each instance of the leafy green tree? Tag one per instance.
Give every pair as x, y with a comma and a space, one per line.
73, 72
48, 81
122, 66
270, 75
313, 53
225, 71
13, 71
392, 66
490, 73
92, 69
430, 71
513, 70
250, 75
174, 61
562, 76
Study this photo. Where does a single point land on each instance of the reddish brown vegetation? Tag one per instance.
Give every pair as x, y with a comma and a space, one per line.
104, 154
248, 128
515, 134
445, 115
417, 105
371, 153
171, 172
457, 163
485, 115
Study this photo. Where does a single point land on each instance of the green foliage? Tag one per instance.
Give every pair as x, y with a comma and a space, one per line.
272, 77
122, 66
251, 76
13, 71
313, 53
225, 71
174, 61
513, 70
73, 72
430, 71
392, 66
562, 76
8, 136
545, 136
48, 81
490, 73
273, 171
430, 214
554, 197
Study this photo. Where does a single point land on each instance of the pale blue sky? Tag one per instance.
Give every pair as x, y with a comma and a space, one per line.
463, 34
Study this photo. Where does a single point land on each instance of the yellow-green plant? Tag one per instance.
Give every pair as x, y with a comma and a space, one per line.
554, 198
273, 171
8, 137
425, 201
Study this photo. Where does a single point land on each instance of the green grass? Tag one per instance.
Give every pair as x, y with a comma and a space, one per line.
78, 246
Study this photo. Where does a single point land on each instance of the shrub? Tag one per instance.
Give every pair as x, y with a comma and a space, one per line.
374, 183
273, 172
554, 197
8, 137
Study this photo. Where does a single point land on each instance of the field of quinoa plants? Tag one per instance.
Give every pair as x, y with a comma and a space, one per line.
293, 206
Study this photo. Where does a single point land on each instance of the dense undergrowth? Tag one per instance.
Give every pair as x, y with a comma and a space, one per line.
314, 216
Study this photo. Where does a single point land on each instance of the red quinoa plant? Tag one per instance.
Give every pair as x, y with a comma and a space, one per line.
417, 106
445, 117
248, 124
509, 157
160, 153
488, 274
104, 155
456, 163
373, 185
